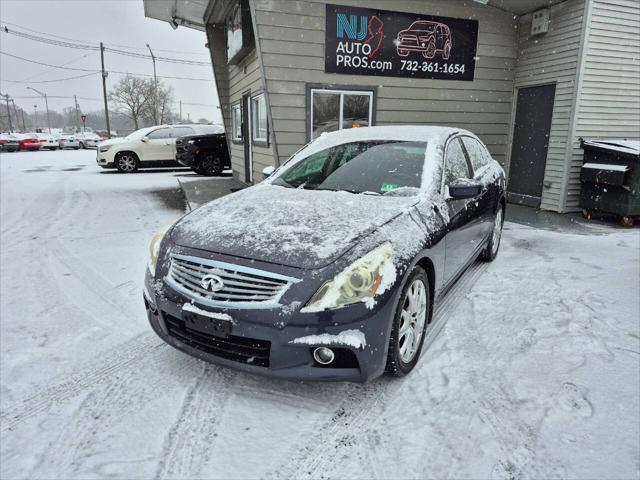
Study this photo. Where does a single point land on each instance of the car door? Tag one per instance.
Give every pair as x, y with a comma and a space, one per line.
479, 158
158, 146
463, 236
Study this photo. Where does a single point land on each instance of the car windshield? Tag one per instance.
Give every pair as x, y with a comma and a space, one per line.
138, 134
428, 27
380, 166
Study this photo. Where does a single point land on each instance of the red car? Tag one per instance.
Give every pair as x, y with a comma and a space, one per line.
28, 142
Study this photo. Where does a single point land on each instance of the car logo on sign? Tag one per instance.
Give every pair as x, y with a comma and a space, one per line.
212, 283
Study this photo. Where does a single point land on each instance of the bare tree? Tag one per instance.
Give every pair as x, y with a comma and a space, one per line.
133, 96
158, 109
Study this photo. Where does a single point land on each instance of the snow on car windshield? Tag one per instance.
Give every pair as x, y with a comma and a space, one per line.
376, 166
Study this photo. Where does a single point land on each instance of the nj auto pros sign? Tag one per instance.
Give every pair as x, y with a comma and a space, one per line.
361, 41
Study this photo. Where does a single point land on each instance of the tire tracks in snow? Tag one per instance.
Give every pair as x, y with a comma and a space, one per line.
126, 392
188, 444
95, 373
360, 407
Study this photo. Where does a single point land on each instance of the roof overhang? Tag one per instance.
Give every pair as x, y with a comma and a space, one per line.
191, 13
520, 7
187, 13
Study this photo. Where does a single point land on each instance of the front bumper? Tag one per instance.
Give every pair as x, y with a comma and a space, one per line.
273, 332
105, 159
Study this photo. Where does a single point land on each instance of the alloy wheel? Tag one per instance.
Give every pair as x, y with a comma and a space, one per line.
127, 163
412, 320
497, 232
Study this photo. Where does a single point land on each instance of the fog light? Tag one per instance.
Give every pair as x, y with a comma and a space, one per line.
323, 355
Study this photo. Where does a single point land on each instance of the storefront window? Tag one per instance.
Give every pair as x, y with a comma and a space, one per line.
333, 110
236, 122
259, 130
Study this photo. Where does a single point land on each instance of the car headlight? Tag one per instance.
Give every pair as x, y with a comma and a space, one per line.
105, 148
154, 249
361, 281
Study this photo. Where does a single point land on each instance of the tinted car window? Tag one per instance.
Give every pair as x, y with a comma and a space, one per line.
371, 166
456, 165
160, 133
182, 131
477, 153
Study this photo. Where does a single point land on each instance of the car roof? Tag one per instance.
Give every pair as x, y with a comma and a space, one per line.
414, 133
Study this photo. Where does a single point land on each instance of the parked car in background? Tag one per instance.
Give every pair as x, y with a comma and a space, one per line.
28, 141
149, 147
205, 153
329, 269
69, 141
9, 143
48, 141
88, 140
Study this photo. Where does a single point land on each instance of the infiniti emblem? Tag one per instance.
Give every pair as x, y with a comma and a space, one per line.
212, 282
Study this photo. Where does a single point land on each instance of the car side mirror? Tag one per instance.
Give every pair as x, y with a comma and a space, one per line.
268, 171
465, 188
144, 139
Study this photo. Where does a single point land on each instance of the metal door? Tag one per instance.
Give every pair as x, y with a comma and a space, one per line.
530, 144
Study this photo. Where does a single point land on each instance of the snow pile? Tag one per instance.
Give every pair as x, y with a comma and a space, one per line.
348, 338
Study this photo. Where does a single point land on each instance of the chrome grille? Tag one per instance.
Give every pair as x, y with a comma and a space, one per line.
242, 287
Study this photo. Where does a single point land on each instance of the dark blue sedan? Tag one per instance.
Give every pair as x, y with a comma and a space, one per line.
330, 268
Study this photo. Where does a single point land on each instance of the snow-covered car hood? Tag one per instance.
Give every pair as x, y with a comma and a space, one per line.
299, 228
111, 141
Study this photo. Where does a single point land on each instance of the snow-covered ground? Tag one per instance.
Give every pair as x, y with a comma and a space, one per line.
532, 370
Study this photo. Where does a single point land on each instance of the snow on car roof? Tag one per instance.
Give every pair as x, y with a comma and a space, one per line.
411, 133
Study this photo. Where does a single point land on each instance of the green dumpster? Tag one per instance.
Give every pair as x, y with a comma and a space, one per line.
610, 179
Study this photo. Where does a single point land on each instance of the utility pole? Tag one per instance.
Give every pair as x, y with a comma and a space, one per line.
35, 114
75, 101
8, 112
155, 87
180, 111
46, 104
23, 127
104, 90
15, 112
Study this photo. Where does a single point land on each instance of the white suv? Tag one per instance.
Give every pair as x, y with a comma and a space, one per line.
148, 147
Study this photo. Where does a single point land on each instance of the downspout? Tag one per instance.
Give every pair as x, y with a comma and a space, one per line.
256, 39
577, 92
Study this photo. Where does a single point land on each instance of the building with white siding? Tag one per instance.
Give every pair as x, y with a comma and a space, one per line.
528, 77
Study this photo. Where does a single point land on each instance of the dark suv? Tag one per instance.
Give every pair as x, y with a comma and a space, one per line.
206, 154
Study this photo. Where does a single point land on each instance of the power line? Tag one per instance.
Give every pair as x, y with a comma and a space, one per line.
84, 46
97, 71
51, 81
96, 44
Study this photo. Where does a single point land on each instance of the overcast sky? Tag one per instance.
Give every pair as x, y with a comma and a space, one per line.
119, 24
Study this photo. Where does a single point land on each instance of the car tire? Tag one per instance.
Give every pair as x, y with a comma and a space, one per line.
127, 162
430, 51
490, 252
81, 146
410, 319
210, 165
403, 53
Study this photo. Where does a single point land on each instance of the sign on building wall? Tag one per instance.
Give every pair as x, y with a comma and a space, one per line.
361, 41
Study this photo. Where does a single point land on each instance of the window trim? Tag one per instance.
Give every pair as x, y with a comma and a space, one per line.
454, 137
259, 142
341, 89
468, 155
234, 139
